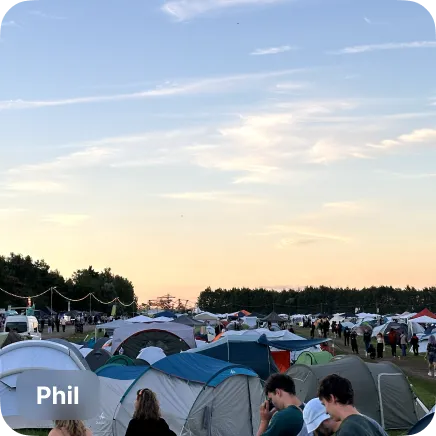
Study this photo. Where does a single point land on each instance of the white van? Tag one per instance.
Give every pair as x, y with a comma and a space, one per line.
24, 325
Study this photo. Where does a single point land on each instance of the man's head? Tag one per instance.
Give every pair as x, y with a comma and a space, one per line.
336, 393
279, 388
317, 420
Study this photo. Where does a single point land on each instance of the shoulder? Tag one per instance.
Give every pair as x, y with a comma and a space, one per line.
88, 432
55, 432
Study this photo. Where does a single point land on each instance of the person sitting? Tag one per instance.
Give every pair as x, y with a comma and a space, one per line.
282, 413
318, 422
147, 419
337, 395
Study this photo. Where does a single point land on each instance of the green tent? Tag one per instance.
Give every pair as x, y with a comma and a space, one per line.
120, 360
309, 358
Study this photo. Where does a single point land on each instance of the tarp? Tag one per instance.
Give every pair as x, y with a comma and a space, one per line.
273, 317
186, 320
425, 319
296, 345
243, 352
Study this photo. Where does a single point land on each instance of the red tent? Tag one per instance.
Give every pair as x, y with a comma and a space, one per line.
424, 312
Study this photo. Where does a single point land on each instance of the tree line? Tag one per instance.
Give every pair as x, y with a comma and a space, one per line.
322, 299
23, 276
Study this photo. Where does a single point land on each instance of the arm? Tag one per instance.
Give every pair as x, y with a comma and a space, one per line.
265, 418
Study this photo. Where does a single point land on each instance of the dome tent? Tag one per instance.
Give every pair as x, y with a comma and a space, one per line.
73, 349
27, 355
197, 394
309, 358
377, 388
97, 358
171, 337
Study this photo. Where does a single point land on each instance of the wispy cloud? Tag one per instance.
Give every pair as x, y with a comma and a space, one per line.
41, 14
420, 136
272, 50
405, 176
388, 46
214, 196
66, 220
199, 86
183, 10
343, 206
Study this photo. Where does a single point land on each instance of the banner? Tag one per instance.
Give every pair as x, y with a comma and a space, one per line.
114, 310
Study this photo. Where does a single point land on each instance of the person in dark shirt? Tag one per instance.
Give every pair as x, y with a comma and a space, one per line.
286, 416
347, 336
354, 346
431, 356
312, 331
393, 342
337, 395
414, 342
366, 339
339, 329
147, 419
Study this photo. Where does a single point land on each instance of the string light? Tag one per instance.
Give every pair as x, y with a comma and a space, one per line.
68, 299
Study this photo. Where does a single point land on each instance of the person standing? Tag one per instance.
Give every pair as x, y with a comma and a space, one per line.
49, 325
380, 346
42, 325
393, 342
414, 341
431, 356
403, 343
63, 324
347, 336
312, 331
366, 339
337, 395
339, 328
326, 327
354, 346
58, 323
286, 417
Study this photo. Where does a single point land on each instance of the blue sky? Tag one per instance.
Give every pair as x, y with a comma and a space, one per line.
221, 142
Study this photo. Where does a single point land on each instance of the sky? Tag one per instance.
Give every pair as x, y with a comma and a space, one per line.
196, 143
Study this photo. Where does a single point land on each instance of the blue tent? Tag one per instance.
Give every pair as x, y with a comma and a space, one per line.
165, 313
243, 352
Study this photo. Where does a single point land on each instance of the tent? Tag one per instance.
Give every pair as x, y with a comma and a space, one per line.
386, 328
140, 318
151, 355
198, 396
241, 350
114, 382
98, 358
273, 318
310, 358
9, 338
165, 314
206, 316
100, 342
73, 349
425, 319
186, 320
377, 388
170, 337
23, 356
424, 312
422, 424
120, 360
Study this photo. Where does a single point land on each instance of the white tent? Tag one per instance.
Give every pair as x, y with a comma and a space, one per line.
23, 356
206, 316
151, 354
140, 318
424, 320
198, 396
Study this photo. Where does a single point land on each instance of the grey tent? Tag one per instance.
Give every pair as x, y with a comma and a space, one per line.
273, 318
97, 358
73, 350
381, 390
9, 338
186, 320
100, 342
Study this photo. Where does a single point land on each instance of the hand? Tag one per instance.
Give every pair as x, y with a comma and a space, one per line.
265, 413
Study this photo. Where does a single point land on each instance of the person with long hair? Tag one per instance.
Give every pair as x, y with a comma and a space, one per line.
70, 428
431, 356
147, 419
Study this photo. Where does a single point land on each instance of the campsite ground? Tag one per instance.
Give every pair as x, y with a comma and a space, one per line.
414, 367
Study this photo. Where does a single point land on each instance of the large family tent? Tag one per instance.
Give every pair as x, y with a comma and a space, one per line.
97, 358
115, 380
198, 396
171, 337
241, 350
23, 356
377, 389
311, 358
